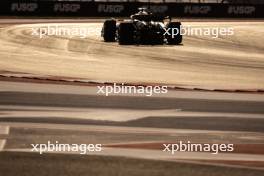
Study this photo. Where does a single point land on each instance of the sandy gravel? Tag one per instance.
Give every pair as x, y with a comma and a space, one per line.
231, 62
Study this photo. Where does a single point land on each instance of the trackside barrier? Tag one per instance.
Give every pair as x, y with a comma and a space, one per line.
125, 9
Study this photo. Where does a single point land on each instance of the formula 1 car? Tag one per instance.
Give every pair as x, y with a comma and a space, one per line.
142, 28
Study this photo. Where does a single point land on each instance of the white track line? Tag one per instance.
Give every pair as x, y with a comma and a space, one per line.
2, 144
4, 130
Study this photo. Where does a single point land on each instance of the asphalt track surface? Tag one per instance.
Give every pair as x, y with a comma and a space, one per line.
132, 126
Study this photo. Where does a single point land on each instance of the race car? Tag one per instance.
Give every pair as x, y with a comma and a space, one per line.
142, 28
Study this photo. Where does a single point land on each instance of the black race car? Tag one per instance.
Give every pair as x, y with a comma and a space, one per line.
142, 28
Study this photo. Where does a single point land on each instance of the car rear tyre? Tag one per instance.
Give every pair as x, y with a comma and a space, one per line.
109, 31
174, 39
126, 33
